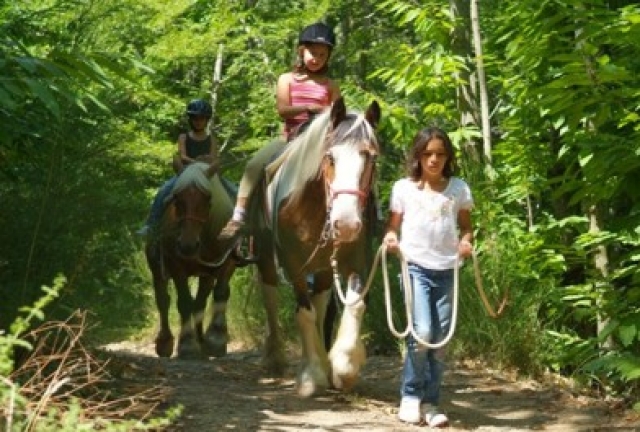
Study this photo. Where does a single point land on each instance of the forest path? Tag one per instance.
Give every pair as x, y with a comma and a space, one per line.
233, 393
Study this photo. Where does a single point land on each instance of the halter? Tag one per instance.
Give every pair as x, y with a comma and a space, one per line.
366, 180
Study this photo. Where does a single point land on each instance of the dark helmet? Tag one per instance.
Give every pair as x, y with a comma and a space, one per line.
317, 33
199, 107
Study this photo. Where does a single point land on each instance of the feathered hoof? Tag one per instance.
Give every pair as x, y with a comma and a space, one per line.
344, 382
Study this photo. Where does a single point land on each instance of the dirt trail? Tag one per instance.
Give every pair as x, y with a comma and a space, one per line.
233, 393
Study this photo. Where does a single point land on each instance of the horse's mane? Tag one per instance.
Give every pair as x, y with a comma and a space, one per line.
193, 174
305, 152
196, 175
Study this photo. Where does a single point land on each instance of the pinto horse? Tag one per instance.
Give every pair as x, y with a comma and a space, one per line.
313, 218
186, 245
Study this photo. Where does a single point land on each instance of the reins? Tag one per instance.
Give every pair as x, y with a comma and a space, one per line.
381, 256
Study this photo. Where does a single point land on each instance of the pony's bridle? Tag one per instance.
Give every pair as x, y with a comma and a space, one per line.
366, 184
366, 180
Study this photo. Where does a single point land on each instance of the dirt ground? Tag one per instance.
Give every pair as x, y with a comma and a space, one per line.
233, 393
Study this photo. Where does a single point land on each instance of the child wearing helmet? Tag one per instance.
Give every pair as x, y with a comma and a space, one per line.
300, 93
194, 145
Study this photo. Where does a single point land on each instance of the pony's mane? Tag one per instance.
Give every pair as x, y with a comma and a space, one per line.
305, 152
193, 174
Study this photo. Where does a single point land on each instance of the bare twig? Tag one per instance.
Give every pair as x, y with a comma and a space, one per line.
60, 369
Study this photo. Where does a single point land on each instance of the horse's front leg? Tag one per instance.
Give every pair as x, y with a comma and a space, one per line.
188, 346
348, 353
314, 371
274, 357
164, 339
205, 286
216, 337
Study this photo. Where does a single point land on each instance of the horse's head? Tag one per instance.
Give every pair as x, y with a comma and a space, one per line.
191, 197
348, 168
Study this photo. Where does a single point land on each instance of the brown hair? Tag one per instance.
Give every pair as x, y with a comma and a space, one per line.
420, 142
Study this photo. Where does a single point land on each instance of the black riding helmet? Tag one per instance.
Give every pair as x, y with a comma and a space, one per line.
199, 107
317, 33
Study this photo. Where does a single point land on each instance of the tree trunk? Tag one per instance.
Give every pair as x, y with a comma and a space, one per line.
482, 82
215, 85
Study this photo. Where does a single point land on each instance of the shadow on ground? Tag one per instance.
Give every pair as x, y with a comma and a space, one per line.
234, 393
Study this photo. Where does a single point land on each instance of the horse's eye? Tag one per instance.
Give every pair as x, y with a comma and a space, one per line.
331, 159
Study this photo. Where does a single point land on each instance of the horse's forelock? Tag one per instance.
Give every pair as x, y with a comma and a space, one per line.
194, 174
307, 151
354, 131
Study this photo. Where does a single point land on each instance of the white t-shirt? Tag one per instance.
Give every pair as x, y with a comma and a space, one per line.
429, 233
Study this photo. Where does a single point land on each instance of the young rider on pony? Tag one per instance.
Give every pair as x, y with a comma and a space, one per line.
194, 145
300, 93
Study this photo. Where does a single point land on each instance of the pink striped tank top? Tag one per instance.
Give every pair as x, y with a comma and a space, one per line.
306, 92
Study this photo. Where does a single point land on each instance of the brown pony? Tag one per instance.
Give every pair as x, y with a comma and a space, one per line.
314, 222
185, 246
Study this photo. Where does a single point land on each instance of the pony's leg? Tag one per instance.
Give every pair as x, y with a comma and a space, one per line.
164, 339
325, 305
348, 353
313, 376
188, 346
217, 334
274, 359
205, 286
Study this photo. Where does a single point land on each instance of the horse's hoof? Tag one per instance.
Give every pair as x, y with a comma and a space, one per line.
306, 389
189, 350
344, 382
275, 366
215, 349
164, 347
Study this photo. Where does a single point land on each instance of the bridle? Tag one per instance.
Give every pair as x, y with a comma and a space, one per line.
366, 179
363, 192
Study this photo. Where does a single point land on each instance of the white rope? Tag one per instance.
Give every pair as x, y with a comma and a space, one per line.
408, 300
381, 255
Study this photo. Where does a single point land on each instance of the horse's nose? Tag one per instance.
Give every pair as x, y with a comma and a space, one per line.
347, 230
188, 249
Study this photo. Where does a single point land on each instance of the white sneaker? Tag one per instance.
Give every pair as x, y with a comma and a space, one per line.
409, 411
434, 418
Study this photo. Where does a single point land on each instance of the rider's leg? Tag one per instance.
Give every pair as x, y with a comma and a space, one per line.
157, 206
252, 174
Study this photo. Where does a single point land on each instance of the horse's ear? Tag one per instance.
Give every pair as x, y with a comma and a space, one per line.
338, 112
373, 114
212, 169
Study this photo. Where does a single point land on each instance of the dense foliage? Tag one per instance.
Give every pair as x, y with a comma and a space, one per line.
91, 101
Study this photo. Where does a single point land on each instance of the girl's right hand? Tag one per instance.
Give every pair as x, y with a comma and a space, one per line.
315, 108
391, 241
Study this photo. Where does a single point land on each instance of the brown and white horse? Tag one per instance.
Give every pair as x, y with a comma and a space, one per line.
315, 222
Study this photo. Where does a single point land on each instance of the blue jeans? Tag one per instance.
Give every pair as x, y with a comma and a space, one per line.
432, 306
157, 207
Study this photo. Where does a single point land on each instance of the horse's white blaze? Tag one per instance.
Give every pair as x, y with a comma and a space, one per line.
345, 210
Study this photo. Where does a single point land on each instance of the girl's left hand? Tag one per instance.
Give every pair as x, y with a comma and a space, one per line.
465, 249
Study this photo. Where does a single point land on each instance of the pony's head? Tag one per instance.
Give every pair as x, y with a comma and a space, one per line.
191, 197
340, 149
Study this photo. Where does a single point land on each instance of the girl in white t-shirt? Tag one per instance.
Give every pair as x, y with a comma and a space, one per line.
432, 211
